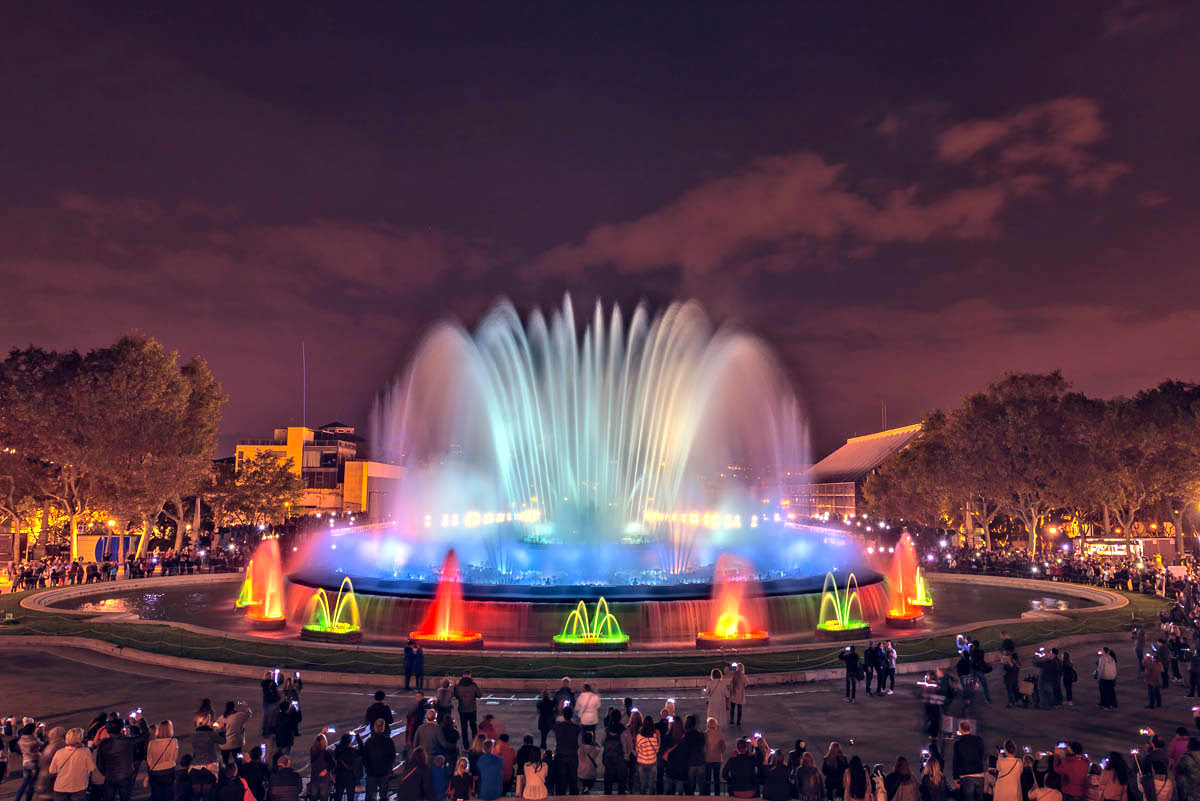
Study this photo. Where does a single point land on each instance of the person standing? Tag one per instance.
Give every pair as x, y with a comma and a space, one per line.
969, 763
162, 753
378, 756
849, 658
980, 668
546, 715
714, 693
1152, 671
566, 754
737, 694
714, 755
1106, 677
115, 761
870, 663
73, 768
410, 652
889, 668
419, 665
1008, 774
232, 725
379, 710
467, 692
1069, 677
1010, 664
588, 706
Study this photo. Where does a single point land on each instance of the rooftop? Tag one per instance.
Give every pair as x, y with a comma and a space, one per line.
860, 455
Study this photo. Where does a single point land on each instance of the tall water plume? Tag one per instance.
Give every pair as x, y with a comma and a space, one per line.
627, 431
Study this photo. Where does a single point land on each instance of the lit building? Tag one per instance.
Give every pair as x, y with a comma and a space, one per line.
836, 482
335, 479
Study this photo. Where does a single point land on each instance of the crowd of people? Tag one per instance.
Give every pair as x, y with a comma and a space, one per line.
435, 747
61, 571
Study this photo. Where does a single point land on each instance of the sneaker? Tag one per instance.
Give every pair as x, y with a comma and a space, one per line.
891, 692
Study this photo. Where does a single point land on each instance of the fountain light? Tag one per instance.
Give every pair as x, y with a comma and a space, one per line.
265, 610
342, 625
598, 632
445, 623
731, 579
838, 620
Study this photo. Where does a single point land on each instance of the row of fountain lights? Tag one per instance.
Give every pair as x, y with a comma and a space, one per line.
474, 518
262, 600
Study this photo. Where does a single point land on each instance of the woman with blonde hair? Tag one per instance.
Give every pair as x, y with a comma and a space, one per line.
73, 768
320, 769
162, 753
714, 691
461, 782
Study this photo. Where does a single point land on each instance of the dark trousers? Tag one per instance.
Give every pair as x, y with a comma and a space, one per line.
566, 767
1108, 693
162, 786
1193, 683
616, 778
465, 720
851, 685
120, 788
868, 675
407, 678
735, 708
712, 779
695, 779
343, 790
377, 788
1155, 695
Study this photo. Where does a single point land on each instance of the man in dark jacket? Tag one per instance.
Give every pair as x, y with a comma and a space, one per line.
285, 782
693, 742
467, 692
378, 757
255, 773
870, 662
969, 763
741, 771
114, 759
378, 710
347, 769
410, 652
849, 657
566, 754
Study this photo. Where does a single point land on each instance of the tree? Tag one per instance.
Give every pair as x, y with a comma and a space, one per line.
123, 425
265, 489
1172, 409
1020, 427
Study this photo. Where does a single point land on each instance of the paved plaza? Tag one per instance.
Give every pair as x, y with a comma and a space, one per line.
70, 686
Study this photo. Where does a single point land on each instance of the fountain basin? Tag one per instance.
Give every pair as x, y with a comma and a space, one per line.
347, 635
830, 631
454, 640
566, 642
905, 620
746, 639
267, 623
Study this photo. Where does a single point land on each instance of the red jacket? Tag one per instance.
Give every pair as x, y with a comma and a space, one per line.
1074, 773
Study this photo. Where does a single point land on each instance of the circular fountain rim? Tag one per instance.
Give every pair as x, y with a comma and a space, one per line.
563, 593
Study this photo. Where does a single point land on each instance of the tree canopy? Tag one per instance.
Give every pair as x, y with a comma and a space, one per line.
1027, 446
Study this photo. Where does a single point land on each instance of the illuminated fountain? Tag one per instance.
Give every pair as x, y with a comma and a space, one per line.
265, 580
599, 632
340, 626
902, 586
245, 596
921, 598
566, 458
732, 578
841, 611
445, 623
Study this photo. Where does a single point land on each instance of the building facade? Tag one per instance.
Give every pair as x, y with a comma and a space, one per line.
328, 461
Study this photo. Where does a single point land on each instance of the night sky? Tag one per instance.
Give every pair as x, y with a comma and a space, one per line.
905, 199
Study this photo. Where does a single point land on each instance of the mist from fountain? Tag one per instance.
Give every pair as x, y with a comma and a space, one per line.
537, 448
